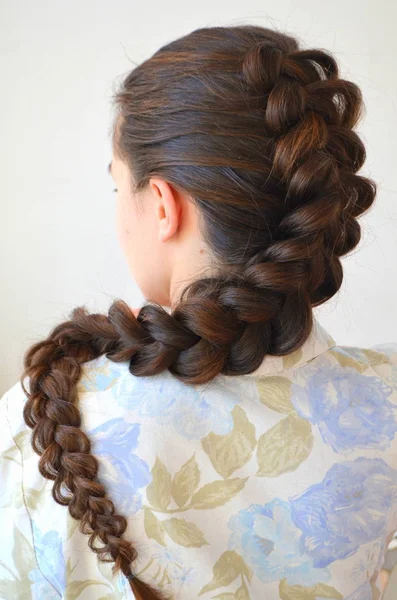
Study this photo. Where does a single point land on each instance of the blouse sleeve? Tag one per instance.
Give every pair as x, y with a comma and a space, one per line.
20, 576
383, 359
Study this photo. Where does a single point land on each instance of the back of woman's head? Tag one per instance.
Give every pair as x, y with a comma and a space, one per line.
258, 134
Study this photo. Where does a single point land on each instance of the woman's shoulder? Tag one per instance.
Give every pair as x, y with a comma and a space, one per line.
348, 370
378, 360
12, 425
104, 375
382, 358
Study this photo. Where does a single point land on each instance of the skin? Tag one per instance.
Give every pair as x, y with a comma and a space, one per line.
158, 231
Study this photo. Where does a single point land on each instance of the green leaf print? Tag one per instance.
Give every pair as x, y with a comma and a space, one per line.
217, 493
69, 569
106, 570
242, 592
185, 482
284, 446
22, 553
290, 360
184, 533
315, 592
8, 570
75, 588
153, 527
33, 497
230, 452
72, 526
23, 439
345, 360
13, 455
229, 566
275, 392
325, 591
375, 358
159, 490
14, 452
11, 588
24, 561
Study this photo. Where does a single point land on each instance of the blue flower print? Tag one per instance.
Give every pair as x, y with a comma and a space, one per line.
368, 561
388, 350
100, 374
122, 584
187, 575
50, 559
194, 411
269, 541
348, 508
172, 561
351, 410
169, 557
147, 395
40, 588
122, 471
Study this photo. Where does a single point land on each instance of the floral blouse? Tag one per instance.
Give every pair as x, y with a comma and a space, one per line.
281, 484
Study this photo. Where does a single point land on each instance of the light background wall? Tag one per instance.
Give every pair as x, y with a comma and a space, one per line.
60, 62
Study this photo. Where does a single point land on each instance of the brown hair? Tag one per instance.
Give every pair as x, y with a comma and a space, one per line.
259, 134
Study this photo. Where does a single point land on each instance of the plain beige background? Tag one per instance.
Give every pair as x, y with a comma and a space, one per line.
60, 62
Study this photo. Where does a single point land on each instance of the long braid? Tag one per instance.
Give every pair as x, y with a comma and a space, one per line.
261, 302
53, 368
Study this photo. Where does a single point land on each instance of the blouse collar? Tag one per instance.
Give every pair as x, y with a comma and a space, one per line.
319, 341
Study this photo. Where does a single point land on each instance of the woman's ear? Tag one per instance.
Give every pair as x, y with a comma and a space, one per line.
168, 208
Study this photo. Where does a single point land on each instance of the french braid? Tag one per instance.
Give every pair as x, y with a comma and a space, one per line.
260, 134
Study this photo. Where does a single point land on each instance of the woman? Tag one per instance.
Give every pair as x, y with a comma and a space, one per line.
216, 443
